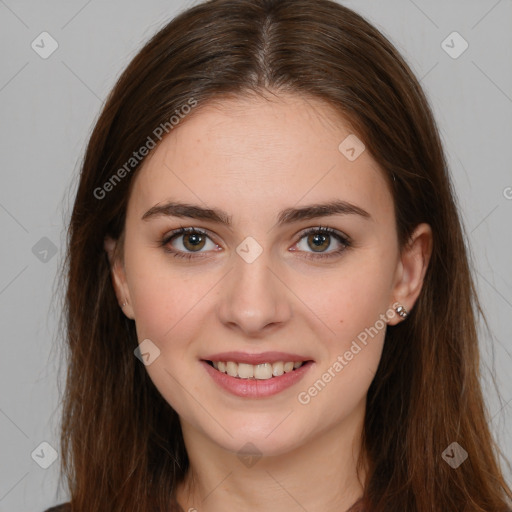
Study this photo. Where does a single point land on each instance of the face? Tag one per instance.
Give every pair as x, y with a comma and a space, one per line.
260, 275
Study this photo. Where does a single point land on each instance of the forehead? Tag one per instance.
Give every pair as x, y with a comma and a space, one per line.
256, 152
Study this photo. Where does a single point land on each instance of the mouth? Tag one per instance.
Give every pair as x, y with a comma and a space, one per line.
261, 371
256, 375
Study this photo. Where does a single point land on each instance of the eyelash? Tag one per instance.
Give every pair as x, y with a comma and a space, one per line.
344, 241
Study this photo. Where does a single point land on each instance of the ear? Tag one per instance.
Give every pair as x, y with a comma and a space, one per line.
411, 269
118, 276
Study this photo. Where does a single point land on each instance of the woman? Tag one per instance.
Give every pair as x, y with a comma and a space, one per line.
269, 304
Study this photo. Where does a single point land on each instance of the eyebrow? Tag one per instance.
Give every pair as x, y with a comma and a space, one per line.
286, 216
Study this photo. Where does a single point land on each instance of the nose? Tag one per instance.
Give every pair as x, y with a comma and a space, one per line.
254, 300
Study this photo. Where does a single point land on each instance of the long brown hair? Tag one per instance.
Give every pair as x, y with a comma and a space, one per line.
122, 446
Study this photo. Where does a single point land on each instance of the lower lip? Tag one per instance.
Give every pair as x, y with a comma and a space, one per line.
256, 388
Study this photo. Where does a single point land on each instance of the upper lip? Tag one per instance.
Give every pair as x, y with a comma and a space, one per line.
262, 357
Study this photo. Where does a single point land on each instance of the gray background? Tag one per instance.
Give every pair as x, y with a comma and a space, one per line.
48, 108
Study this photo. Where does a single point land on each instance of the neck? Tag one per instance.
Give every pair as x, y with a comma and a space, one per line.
319, 474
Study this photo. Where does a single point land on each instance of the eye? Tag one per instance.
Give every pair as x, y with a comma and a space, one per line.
188, 243
184, 242
319, 239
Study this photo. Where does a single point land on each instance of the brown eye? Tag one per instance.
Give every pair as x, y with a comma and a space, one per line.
186, 242
315, 242
193, 241
319, 241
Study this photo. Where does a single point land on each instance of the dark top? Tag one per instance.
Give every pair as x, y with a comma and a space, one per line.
65, 507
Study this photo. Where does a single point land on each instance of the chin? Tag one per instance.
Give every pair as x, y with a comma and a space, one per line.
260, 440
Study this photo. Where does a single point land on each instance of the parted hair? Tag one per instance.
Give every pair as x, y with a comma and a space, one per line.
122, 445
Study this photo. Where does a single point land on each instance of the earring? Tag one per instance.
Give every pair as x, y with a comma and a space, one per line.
124, 304
402, 312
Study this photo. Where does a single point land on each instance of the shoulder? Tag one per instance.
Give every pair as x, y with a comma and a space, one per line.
64, 507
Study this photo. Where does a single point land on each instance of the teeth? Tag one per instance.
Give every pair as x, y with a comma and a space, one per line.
288, 367
263, 371
245, 371
232, 369
278, 369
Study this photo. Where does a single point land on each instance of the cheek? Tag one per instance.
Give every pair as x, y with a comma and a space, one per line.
355, 307
341, 381
167, 308
163, 297
350, 299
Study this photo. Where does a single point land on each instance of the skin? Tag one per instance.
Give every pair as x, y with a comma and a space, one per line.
253, 157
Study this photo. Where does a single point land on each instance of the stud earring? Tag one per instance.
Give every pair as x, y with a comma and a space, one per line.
124, 304
402, 312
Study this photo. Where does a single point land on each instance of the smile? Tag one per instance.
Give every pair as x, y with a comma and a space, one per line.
263, 371
259, 380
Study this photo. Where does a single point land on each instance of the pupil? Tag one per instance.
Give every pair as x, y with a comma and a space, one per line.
319, 240
194, 239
